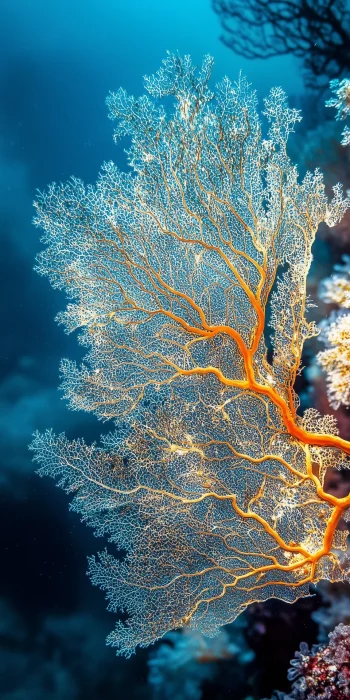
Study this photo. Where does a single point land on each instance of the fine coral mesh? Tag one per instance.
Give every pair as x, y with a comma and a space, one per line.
206, 484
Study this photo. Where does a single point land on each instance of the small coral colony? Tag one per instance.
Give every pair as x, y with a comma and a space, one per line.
187, 282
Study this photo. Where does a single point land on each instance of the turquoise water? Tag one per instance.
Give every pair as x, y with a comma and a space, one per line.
58, 61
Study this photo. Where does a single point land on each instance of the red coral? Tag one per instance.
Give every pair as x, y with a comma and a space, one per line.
323, 673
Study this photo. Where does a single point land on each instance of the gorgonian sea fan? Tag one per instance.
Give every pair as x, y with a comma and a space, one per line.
207, 485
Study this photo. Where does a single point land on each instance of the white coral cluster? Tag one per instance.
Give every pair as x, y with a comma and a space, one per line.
335, 333
341, 101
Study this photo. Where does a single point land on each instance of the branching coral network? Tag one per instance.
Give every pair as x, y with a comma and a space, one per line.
211, 484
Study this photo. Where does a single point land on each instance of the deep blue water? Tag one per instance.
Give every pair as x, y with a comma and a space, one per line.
58, 60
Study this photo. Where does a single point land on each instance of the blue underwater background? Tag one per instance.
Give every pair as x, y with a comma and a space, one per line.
58, 61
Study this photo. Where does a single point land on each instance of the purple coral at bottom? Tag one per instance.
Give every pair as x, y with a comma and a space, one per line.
322, 673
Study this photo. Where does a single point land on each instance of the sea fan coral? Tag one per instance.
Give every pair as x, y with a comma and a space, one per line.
206, 485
